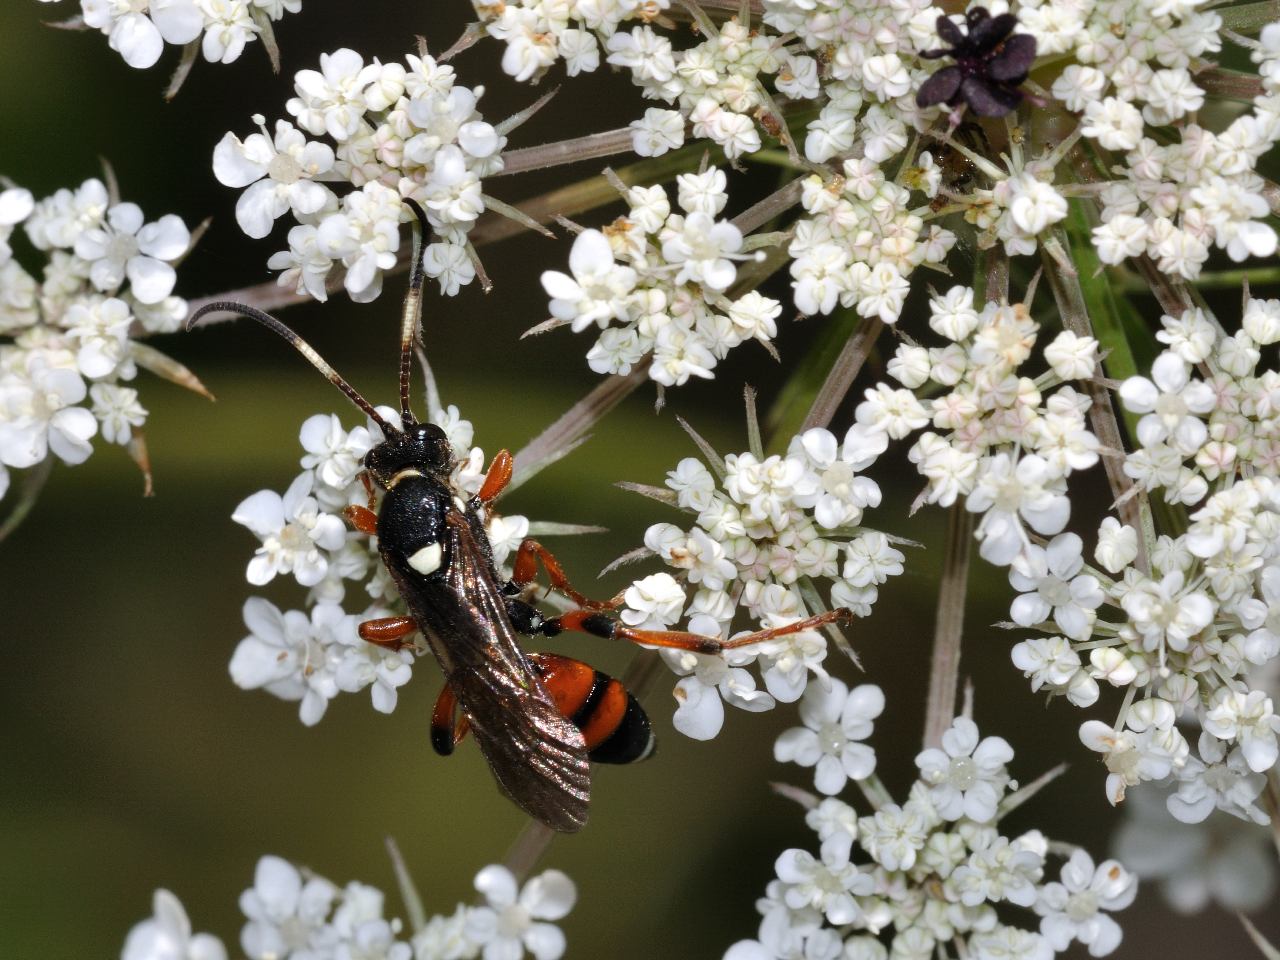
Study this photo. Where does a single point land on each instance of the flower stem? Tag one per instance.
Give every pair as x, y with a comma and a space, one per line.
593, 146
32, 483
842, 374
1133, 506
571, 427
944, 669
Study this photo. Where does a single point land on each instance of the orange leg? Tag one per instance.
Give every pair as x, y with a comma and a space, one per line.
593, 622
496, 480
525, 568
362, 518
369, 491
447, 728
389, 632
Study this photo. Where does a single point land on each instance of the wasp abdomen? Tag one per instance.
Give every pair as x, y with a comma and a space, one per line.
613, 723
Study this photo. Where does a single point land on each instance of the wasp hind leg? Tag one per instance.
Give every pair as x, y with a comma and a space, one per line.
448, 726
599, 625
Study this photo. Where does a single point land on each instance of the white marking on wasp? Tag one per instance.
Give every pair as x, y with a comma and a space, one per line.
457, 502
409, 472
427, 560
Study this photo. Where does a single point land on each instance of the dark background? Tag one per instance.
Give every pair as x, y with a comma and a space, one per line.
129, 759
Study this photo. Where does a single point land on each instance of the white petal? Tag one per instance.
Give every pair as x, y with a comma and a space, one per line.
231, 166
549, 896
498, 886
264, 620
256, 664
278, 884
149, 279
829, 775
590, 254
1139, 394
69, 433
262, 512
179, 21
700, 715
545, 941
166, 239
137, 39
797, 745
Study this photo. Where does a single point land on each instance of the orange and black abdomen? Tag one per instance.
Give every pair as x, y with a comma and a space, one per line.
613, 723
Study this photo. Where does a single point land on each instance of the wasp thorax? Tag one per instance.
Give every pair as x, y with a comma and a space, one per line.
420, 448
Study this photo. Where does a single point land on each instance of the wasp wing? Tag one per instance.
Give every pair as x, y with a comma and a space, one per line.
537, 755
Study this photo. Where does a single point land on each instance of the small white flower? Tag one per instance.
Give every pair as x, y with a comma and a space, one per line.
516, 918
292, 656
967, 777
294, 533
1172, 404
167, 935
280, 174
1060, 590
124, 248
1073, 909
286, 914
597, 290
1250, 719
835, 720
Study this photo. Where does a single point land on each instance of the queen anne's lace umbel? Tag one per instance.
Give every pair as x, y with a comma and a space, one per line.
395, 131
768, 530
293, 914
139, 29
71, 341
909, 879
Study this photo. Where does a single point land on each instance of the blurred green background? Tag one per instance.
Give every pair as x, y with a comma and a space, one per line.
130, 761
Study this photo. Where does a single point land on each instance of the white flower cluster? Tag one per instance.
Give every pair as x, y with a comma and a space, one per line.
68, 342
311, 656
767, 528
1182, 636
936, 867
139, 29
1182, 189
296, 915
398, 131
1002, 441
667, 295
839, 56
1128, 81
860, 243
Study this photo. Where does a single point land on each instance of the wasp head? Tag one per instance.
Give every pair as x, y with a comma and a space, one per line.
419, 446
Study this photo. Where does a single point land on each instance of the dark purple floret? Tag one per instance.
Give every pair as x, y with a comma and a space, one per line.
989, 65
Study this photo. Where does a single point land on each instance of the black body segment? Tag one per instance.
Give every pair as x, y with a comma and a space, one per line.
537, 756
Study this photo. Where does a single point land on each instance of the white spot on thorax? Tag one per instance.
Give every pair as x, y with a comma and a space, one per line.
457, 502
427, 560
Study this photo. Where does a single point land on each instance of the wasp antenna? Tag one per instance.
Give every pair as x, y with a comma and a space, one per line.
412, 306
304, 348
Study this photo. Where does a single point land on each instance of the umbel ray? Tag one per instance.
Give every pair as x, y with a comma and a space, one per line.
539, 718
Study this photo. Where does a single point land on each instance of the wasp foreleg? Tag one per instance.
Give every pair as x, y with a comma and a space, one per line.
496, 480
525, 568
389, 632
362, 518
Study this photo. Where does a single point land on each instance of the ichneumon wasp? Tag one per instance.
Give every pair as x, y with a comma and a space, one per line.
539, 718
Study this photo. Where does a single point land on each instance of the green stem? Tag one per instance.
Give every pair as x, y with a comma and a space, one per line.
944, 669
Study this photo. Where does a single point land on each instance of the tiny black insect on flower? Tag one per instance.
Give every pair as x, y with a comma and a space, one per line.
989, 64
